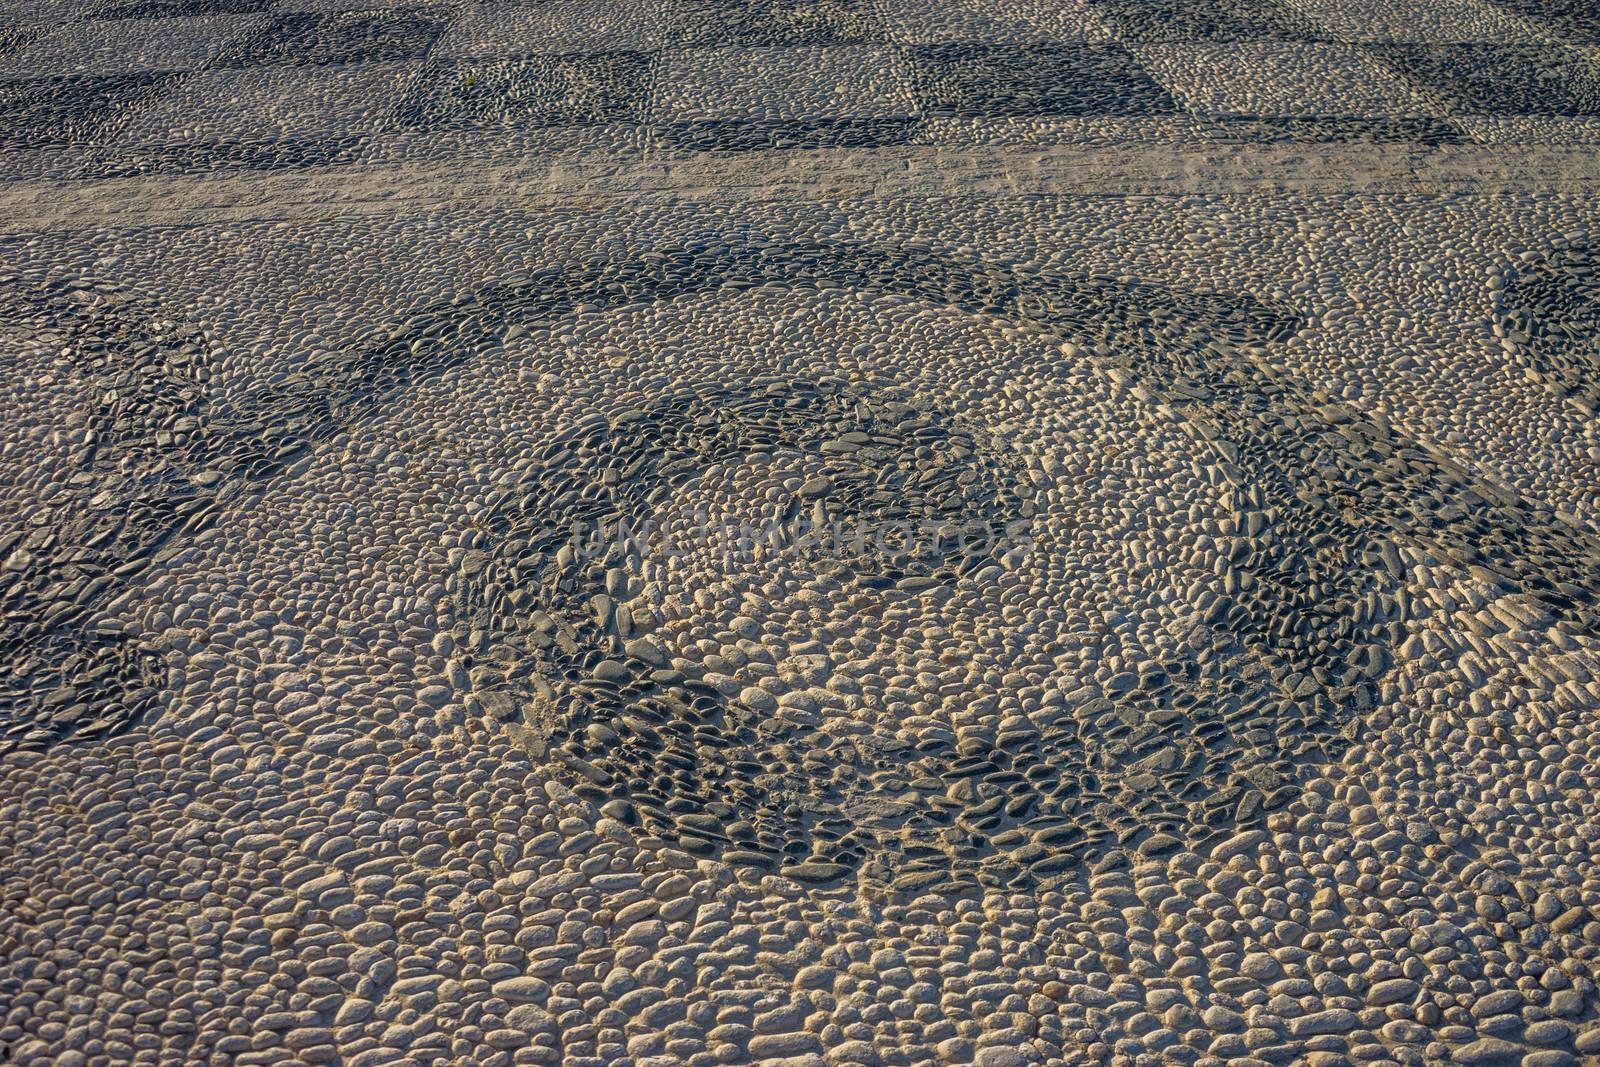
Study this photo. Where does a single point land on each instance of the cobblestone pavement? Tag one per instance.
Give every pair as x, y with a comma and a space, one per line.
845, 533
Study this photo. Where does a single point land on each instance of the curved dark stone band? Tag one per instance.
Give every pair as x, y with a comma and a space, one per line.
1279, 443
1328, 606
1548, 309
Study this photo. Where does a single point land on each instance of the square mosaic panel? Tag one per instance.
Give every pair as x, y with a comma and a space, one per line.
813, 97
123, 46
1278, 79
46, 11
504, 31
1415, 21
306, 39
707, 23
982, 80
1493, 79
1008, 21
781, 83
73, 109
569, 90
1206, 20
1573, 20
272, 104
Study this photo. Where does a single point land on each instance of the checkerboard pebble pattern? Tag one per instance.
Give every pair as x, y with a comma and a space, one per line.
114, 80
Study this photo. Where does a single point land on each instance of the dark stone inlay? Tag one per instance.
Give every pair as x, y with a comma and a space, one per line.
1313, 129
692, 763
1207, 20
184, 158
74, 109
554, 90
1312, 597
15, 36
70, 667
73, 668
773, 23
151, 9
1499, 79
307, 39
963, 79
735, 135
1574, 20
1322, 494
1548, 307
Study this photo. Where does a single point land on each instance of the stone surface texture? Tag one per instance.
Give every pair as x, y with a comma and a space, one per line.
835, 533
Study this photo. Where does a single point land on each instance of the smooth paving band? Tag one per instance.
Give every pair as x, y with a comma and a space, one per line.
1144, 170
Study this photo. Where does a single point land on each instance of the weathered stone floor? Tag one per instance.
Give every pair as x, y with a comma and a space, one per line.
829, 534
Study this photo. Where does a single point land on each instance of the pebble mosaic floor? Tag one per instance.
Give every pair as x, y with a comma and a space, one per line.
1173, 430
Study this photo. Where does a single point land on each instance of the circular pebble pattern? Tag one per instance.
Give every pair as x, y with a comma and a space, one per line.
1264, 741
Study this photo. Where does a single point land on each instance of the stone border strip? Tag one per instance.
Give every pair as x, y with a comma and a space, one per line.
913, 171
